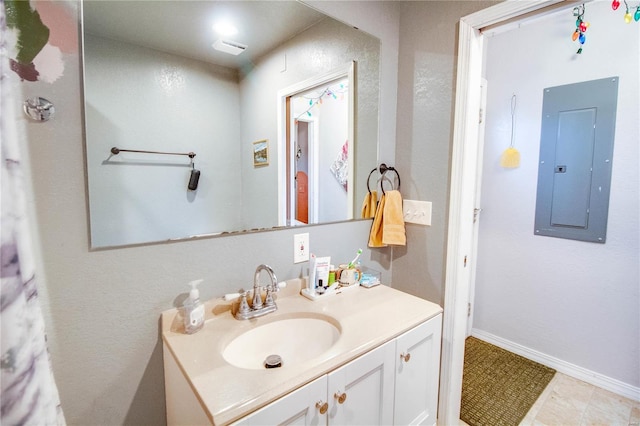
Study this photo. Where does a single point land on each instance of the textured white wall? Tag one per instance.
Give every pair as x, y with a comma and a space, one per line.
572, 300
102, 307
144, 99
332, 197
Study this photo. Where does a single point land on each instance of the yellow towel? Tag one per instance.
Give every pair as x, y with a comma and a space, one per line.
369, 205
375, 235
393, 220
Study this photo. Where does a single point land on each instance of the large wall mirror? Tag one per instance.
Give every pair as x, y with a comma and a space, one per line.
154, 82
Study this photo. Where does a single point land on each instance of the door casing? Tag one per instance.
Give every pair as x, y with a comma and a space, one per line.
464, 176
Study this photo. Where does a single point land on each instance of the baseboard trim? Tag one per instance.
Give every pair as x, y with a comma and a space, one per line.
564, 367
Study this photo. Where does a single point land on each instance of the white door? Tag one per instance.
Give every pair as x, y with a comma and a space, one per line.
477, 209
417, 374
301, 407
304, 186
361, 392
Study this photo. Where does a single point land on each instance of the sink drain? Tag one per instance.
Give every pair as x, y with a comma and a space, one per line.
273, 361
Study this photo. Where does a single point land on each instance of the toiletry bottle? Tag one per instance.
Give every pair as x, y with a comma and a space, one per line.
311, 281
193, 310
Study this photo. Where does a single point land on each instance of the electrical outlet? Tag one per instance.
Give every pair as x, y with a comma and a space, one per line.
417, 212
300, 248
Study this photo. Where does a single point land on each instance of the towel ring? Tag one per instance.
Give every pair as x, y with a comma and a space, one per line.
369, 177
384, 169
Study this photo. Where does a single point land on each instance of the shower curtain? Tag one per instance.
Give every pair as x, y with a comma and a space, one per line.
28, 392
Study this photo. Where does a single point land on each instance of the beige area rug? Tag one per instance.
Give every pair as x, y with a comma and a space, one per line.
499, 387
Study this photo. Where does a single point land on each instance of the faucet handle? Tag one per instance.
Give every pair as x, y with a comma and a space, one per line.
269, 299
243, 309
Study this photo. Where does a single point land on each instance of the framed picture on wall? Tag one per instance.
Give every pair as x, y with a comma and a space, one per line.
261, 153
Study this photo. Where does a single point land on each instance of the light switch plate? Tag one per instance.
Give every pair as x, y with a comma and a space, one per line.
300, 248
418, 212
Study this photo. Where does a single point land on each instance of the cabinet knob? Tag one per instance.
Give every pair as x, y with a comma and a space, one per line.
341, 397
405, 357
322, 406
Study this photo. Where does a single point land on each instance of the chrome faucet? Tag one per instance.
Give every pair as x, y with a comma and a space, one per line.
259, 308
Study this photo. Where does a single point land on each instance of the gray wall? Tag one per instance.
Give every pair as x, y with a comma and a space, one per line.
102, 307
427, 60
134, 198
337, 44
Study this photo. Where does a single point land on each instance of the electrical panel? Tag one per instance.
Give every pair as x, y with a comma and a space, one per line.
576, 150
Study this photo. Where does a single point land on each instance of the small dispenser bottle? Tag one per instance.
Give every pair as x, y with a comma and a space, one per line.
193, 310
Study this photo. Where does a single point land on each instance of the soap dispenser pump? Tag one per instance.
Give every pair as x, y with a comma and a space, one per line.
193, 309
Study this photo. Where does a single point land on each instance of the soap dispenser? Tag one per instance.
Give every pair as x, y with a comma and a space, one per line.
193, 309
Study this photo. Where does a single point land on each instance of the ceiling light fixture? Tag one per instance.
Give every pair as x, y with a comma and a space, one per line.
225, 28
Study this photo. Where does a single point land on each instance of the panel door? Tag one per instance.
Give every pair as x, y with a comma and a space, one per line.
300, 407
361, 392
576, 152
417, 374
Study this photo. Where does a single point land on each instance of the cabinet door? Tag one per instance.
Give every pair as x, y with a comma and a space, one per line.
417, 374
297, 408
361, 392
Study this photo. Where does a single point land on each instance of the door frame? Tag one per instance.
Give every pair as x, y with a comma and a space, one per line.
285, 165
464, 181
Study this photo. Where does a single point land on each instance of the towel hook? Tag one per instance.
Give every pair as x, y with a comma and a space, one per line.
38, 108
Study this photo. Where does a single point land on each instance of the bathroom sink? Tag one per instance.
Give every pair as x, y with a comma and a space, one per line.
292, 340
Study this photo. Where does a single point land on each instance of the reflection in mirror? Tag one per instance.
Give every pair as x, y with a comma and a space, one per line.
169, 90
320, 173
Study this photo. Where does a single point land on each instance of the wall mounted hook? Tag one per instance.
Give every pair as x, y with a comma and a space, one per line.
38, 109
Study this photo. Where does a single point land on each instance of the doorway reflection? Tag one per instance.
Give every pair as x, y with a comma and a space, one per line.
318, 182
302, 170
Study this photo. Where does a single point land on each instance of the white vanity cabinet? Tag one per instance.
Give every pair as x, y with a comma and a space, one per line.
359, 392
417, 374
300, 407
395, 383
382, 369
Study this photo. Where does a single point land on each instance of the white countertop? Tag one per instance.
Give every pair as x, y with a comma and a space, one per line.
366, 318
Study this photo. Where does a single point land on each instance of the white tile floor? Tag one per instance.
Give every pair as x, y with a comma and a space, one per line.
570, 402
